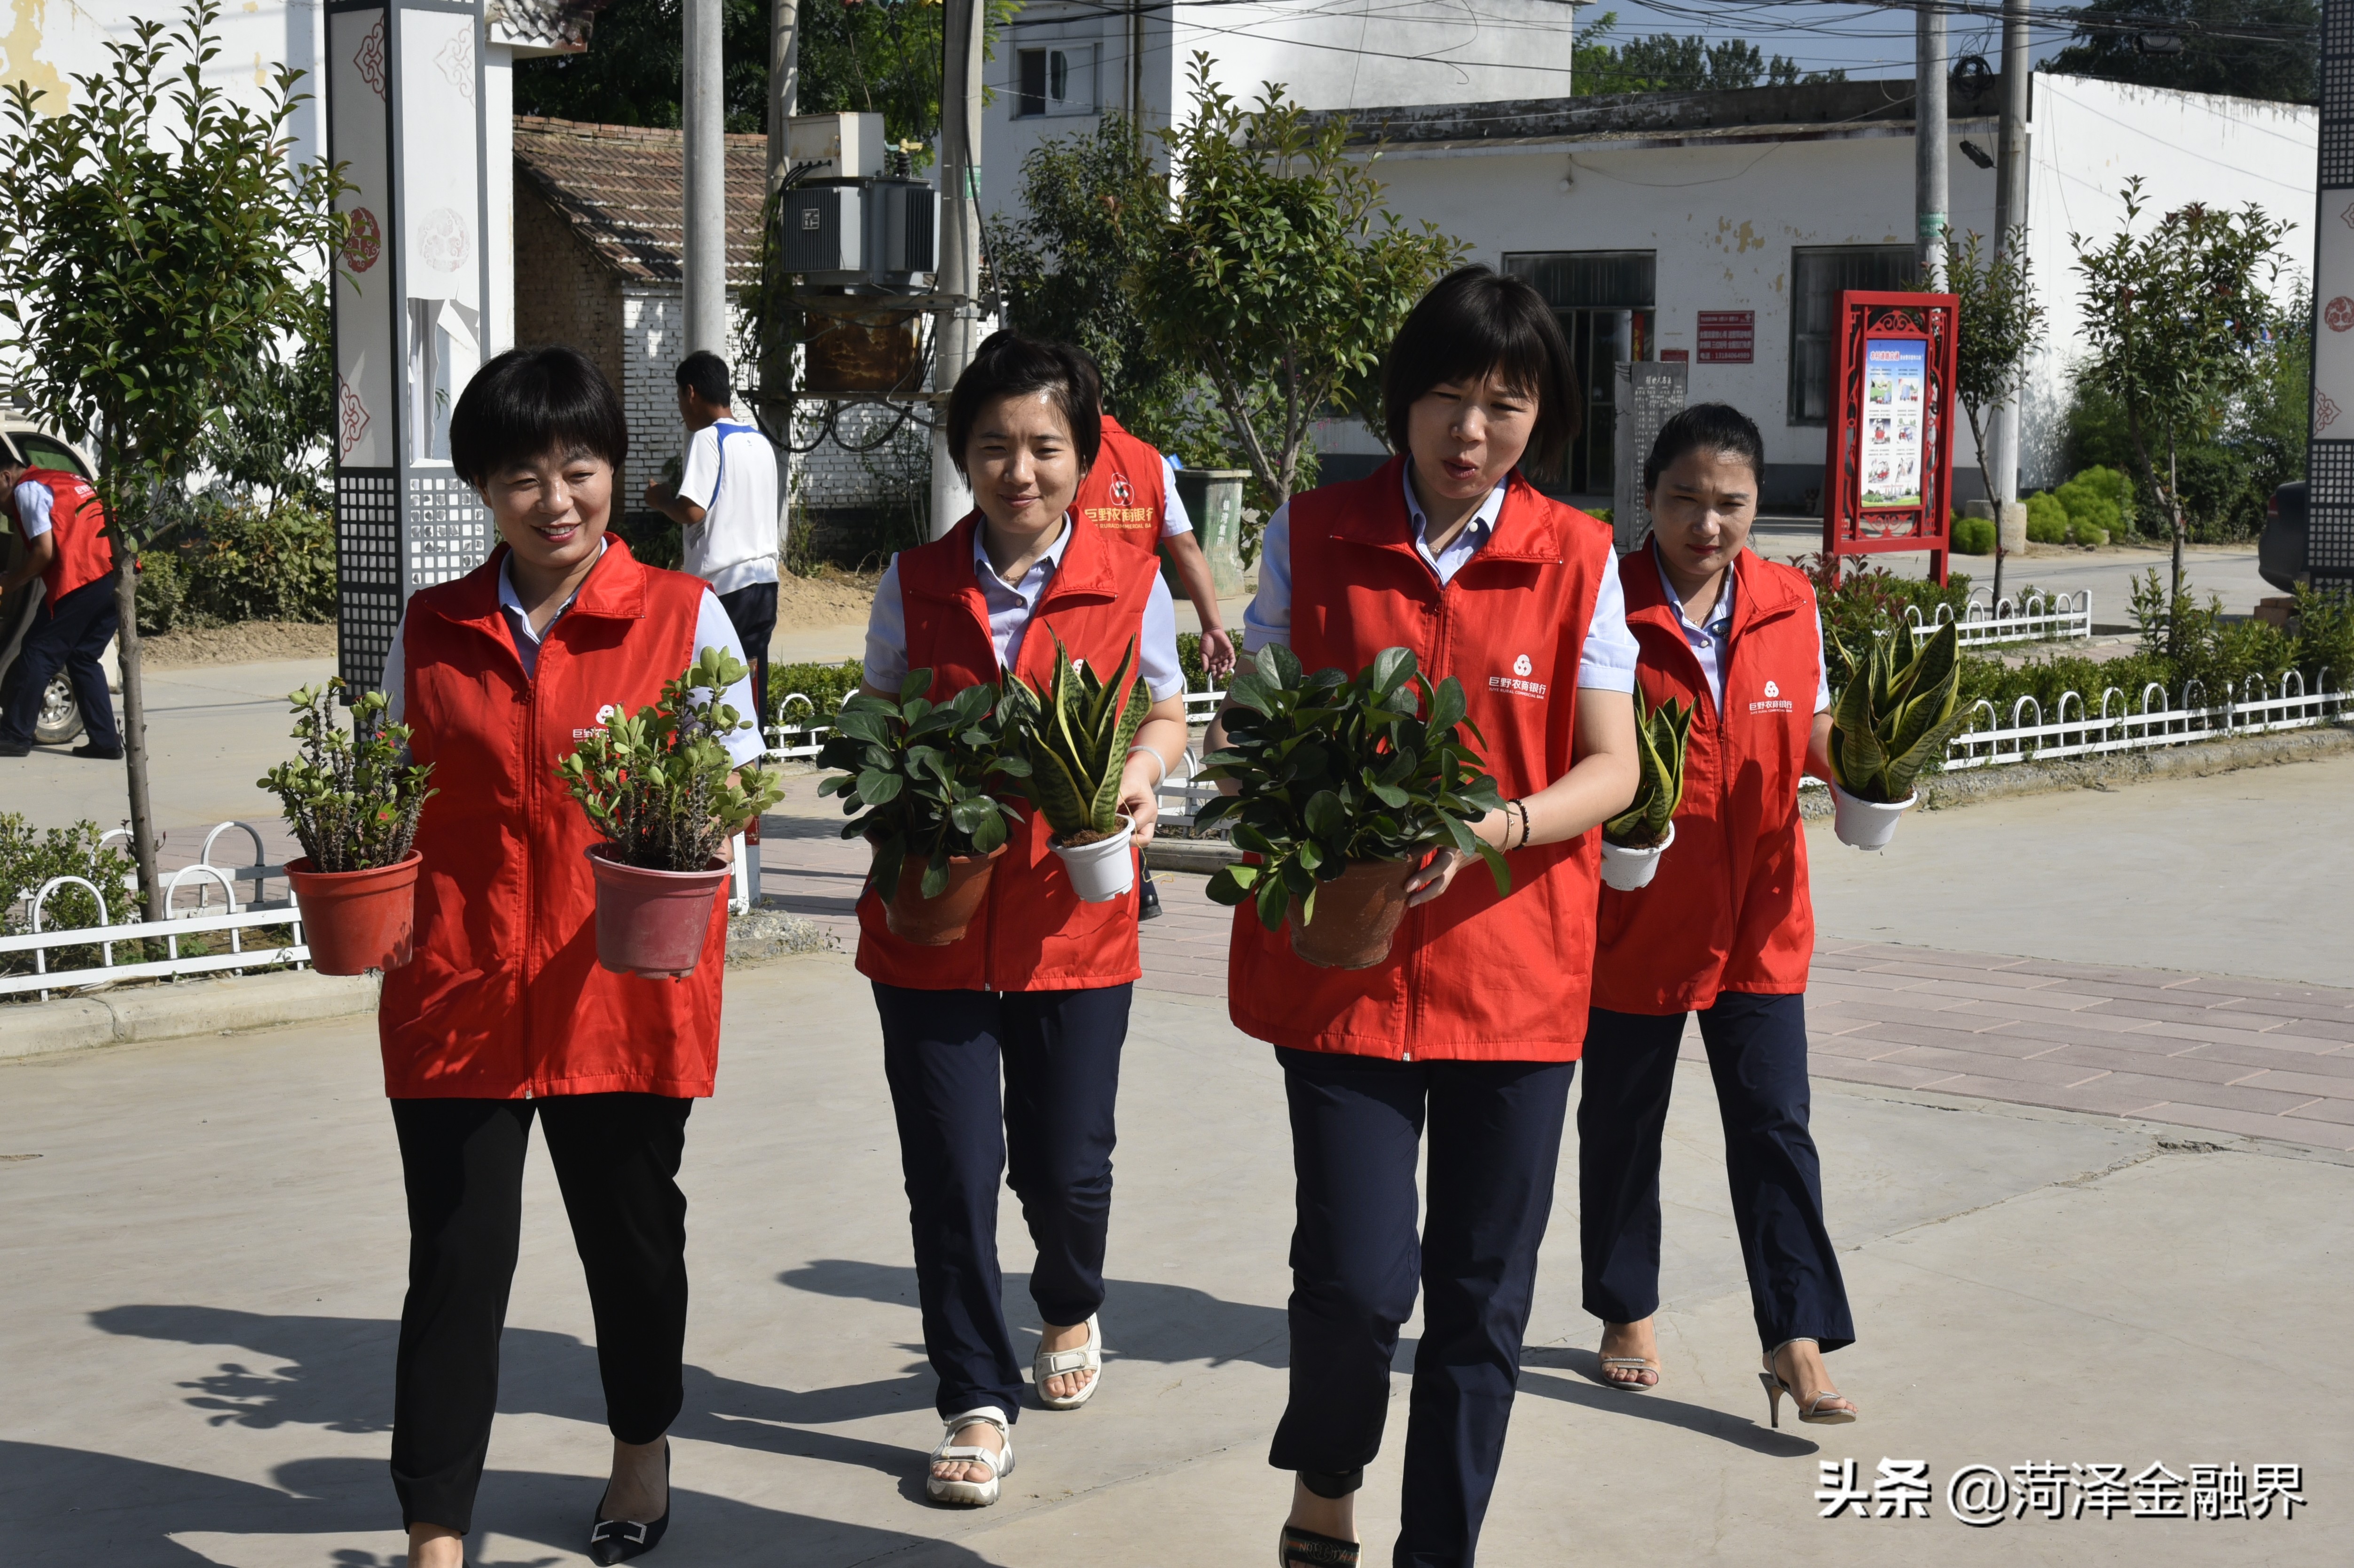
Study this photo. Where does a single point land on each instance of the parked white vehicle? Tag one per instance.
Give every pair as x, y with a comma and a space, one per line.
31, 442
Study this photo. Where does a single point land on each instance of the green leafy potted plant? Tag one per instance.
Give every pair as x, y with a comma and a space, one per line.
1076, 738
662, 789
1346, 785
353, 802
1634, 840
1893, 716
923, 772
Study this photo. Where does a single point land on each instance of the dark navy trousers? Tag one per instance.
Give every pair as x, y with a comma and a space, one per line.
1357, 1125
1758, 1054
1050, 1132
73, 633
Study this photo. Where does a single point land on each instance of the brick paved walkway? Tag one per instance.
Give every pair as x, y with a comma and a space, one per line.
2208, 1050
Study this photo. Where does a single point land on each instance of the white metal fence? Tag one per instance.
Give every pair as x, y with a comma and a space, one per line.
2123, 723
1988, 621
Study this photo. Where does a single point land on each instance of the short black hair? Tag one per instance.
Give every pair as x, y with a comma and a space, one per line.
1718, 427
1007, 364
528, 401
1474, 321
706, 375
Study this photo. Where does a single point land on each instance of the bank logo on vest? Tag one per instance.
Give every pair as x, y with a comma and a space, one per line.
605, 715
1122, 493
1517, 682
1773, 702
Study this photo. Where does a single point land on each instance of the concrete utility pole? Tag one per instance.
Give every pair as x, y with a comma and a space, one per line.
784, 85
2009, 226
959, 280
1929, 149
703, 112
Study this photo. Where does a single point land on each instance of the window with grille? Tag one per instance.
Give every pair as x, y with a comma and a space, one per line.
1819, 274
1056, 80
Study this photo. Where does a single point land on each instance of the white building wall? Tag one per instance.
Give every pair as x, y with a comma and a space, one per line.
654, 340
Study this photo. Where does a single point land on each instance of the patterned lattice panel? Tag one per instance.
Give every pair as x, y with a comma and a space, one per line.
368, 573
448, 530
2329, 512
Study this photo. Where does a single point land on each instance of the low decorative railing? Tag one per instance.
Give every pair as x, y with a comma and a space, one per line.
801, 741
2155, 719
1988, 621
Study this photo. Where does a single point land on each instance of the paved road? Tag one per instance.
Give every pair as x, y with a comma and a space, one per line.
205, 1263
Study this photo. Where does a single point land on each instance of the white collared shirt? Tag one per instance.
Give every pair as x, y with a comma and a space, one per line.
712, 630
1606, 664
1710, 643
1010, 607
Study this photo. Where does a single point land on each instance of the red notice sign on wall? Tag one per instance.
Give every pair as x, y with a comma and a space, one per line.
1728, 337
1675, 355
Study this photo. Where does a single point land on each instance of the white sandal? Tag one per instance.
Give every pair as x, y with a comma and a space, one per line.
1088, 1357
973, 1494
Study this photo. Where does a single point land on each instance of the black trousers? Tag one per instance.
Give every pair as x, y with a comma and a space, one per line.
1758, 1054
1495, 1146
752, 611
73, 633
1052, 1133
616, 1159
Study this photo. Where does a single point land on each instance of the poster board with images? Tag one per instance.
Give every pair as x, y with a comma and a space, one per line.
1888, 454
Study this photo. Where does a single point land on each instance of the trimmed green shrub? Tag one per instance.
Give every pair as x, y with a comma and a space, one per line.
28, 859
2099, 498
1974, 535
244, 564
2047, 520
163, 591
2082, 533
825, 686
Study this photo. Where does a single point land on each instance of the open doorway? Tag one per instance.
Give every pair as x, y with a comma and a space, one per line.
1606, 301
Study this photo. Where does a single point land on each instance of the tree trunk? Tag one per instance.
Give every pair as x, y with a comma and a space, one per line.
2181, 527
1978, 440
134, 730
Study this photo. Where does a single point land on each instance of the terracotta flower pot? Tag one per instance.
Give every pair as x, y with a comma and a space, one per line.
1357, 915
937, 922
354, 921
652, 924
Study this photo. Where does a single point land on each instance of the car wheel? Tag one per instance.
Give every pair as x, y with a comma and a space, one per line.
60, 719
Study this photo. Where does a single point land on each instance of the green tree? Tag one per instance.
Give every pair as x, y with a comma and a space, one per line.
166, 240
1665, 63
275, 440
1278, 274
2177, 321
2000, 323
2249, 49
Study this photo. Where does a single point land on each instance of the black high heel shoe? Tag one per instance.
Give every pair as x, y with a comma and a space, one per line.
612, 1540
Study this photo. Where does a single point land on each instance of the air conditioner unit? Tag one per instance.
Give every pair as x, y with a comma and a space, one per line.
867, 235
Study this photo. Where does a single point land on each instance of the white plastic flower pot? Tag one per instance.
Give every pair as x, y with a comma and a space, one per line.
1866, 824
1103, 869
1628, 869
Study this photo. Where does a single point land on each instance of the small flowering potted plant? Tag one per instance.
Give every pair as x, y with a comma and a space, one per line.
918, 780
1076, 738
353, 801
663, 790
1634, 840
1900, 706
1346, 787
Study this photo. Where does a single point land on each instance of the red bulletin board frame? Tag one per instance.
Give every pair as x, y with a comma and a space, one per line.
1851, 529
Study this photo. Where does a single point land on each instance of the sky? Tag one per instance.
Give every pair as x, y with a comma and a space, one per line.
1863, 40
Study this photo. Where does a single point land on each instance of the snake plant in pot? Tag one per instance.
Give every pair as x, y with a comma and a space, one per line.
1346, 787
1634, 840
1076, 737
661, 788
924, 775
1900, 706
353, 802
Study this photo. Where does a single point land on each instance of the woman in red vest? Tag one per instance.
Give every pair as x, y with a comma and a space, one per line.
504, 1013
1471, 1027
1037, 990
1726, 927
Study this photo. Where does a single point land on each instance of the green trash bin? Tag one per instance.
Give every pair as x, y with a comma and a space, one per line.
1213, 499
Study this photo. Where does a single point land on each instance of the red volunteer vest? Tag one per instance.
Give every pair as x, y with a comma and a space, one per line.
1727, 909
78, 523
1125, 494
1472, 976
505, 998
1033, 933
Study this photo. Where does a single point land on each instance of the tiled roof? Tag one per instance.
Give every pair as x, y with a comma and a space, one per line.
622, 187
557, 27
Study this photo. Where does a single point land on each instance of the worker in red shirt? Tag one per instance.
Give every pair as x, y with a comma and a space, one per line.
1130, 495
1725, 928
64, 525
1469, 1030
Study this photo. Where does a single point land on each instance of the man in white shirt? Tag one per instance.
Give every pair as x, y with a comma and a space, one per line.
725, 507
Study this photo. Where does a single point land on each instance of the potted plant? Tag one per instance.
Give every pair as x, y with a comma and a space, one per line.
1634, 840
922, 773
664, 793
353, 802
1899, 705
1346, 787
1075, 739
